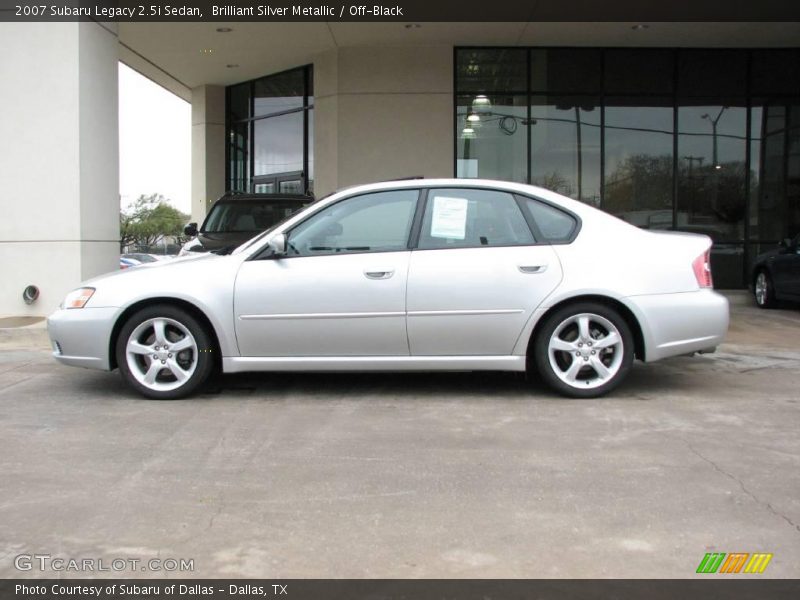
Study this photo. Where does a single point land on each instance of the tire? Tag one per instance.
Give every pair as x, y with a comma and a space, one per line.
763, 289
583, 350
168, 335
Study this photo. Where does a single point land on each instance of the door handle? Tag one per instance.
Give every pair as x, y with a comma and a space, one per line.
532, 269
379, 274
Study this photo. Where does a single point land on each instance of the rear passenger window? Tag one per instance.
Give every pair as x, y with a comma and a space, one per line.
554, 224
469, 218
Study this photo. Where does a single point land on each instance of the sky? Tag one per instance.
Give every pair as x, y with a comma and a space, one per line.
154, 141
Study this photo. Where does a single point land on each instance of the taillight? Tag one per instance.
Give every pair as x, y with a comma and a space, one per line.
702, 269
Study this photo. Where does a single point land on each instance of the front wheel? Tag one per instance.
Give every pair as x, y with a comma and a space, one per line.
763, 290
164, 353
584, 350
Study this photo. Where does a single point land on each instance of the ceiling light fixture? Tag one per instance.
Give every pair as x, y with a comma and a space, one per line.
640, 27
232, 66
224, 29
207, 51
472, 117
481, 105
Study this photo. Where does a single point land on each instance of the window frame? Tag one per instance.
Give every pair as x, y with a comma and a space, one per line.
522, 200
308, 105
416, 238
265, 252
423, 195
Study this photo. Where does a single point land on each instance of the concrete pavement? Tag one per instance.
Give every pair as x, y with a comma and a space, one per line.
446, 475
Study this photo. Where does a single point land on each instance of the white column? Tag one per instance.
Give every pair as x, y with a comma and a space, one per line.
59, 159
208, 148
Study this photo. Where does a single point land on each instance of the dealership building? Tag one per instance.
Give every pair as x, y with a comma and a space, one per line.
685, 126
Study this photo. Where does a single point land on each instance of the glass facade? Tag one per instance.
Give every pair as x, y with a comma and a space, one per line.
270, 130
705, 141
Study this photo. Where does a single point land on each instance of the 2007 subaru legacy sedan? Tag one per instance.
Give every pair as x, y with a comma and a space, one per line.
416, 275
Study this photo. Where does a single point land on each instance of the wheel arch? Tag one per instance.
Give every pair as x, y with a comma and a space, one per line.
639, 349
190, 308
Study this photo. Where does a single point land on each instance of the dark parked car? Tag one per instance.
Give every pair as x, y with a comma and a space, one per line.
235, 218
776, 274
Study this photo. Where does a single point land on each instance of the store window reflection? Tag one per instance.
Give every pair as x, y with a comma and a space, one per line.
659, 137
638, 161
712, 182
712, 174
775, 179
565, 146
492, 137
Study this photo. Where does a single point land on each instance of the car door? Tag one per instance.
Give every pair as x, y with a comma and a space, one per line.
786, 270
339, 290
476, 275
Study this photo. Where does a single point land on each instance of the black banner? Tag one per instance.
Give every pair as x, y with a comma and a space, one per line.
399, 10
714, 588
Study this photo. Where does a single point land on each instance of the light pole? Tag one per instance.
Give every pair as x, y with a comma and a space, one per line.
714, 123
714, 156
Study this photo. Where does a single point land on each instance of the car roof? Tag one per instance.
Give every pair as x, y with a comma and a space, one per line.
579, 208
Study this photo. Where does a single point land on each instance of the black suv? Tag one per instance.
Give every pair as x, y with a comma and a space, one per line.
237, 217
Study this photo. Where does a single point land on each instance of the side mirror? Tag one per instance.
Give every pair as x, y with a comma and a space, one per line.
278, 244
190, 230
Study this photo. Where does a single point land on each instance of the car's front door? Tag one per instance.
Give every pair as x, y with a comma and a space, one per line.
339, 291
477, 275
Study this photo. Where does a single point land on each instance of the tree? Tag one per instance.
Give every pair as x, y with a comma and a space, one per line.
148, 219
554, 181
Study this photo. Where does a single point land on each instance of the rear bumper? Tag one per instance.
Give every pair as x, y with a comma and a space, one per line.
80, 337
675, 324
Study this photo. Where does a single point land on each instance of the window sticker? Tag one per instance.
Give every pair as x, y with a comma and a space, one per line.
449, 218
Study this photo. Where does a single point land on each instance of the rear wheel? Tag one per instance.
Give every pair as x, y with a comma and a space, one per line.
164, 353
763, 290
584, 350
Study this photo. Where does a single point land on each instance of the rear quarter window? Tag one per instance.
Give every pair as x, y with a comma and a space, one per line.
554, 224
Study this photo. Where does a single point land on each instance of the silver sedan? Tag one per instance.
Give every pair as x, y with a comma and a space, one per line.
418, 275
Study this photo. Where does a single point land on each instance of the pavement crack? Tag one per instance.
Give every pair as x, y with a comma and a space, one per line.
743, 487
218, 512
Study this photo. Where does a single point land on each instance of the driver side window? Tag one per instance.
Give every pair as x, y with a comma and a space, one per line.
377, 222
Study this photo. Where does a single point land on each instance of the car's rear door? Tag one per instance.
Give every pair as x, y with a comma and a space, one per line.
341, 289
477, 274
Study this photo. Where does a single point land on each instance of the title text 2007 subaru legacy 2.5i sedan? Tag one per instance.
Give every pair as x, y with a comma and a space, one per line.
417, 275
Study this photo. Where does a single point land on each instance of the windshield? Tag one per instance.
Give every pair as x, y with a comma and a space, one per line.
244, 216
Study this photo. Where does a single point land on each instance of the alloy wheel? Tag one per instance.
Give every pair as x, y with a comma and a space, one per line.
585, 351
761, 288
161, 354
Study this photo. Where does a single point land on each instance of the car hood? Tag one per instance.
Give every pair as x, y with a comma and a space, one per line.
173, 266
215, 241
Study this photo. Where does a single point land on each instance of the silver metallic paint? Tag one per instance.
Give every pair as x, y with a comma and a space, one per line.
465, 309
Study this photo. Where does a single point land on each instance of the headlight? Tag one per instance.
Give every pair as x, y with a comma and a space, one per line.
78, 298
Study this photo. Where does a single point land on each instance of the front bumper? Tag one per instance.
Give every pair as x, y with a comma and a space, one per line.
684, 323
81, 336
